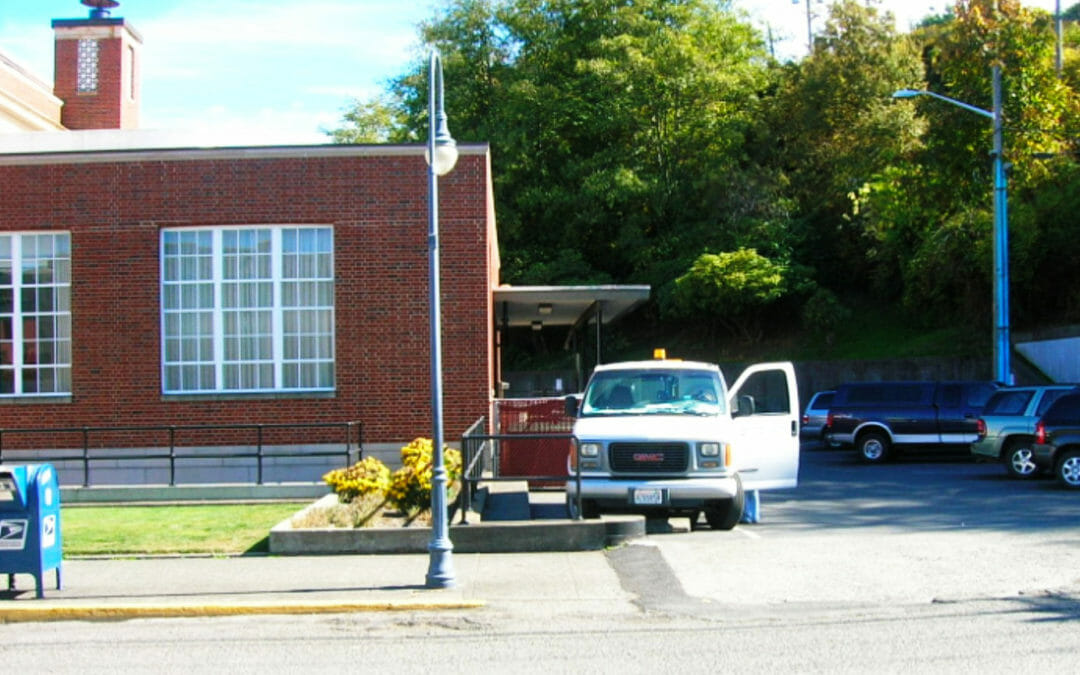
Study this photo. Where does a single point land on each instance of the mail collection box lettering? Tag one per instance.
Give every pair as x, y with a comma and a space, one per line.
30, 541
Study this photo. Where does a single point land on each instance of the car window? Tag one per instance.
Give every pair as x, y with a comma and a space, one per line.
654, 392
821, 401
885, 393
1048, 399
950, 396
1008, 402
1065, 409
978, 394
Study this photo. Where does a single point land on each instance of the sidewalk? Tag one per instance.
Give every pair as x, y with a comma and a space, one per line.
547, 567
114, 589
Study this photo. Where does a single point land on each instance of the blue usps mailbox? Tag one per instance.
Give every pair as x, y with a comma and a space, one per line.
29, 523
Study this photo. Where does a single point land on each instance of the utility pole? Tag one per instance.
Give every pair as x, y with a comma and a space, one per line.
1058, 30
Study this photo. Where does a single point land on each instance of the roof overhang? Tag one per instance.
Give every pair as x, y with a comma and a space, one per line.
564, 305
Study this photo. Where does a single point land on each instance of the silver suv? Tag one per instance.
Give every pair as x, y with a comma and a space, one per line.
1006, 429
814, 417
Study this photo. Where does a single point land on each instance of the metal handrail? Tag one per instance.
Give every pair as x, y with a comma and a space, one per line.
351, 429
471, 477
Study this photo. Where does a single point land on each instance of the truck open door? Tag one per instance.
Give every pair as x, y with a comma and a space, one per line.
764, 405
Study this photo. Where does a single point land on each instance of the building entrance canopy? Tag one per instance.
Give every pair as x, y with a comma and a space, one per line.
569, 307
518, 306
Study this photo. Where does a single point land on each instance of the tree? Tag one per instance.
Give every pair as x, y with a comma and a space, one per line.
377, 120
946, 259
729, 289
618, 130
835, 127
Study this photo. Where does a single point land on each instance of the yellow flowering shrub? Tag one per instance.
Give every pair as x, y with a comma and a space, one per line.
369, 476
410, 486
369, 485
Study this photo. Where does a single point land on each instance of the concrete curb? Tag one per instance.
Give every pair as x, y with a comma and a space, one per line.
485, 537
168, 611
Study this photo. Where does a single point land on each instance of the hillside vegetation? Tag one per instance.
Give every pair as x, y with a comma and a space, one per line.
794, 208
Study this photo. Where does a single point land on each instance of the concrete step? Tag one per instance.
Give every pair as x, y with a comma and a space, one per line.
505, 500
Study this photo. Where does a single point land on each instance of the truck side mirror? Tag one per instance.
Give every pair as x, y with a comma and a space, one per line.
570, 406
744, 405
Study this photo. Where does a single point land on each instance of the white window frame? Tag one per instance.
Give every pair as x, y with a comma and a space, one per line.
200, 296
20, 250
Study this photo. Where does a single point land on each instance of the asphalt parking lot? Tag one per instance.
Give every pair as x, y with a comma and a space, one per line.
925, 528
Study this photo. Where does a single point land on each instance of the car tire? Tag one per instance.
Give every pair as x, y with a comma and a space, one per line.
1018, 459
589, 510
724, 514
873, 447
1067, 469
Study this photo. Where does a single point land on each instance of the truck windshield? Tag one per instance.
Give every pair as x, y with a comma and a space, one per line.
653, 392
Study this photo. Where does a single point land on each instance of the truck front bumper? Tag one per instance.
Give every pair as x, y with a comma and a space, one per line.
637, 493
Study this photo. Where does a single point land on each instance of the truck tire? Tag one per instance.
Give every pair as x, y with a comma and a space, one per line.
724, 514
873, 447
1016, 456
1067, 469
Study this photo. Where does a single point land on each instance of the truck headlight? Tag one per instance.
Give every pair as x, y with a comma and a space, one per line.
589, 450
710, 449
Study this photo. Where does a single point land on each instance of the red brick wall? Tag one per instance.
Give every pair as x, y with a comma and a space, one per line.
112, 105
377, 206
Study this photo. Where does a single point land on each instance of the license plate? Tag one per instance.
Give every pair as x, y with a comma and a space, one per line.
647, 496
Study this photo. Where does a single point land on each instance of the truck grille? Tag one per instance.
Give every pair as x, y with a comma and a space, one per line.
649, 458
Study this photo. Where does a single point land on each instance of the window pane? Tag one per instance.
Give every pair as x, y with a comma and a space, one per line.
37, 303
251, 302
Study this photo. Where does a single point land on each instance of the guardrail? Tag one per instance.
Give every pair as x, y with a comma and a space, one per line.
477, 447
351, 430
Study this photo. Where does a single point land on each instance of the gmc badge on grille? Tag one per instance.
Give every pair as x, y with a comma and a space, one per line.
651, 457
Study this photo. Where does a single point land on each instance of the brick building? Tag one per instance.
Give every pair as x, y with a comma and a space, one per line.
146, 283
149, 282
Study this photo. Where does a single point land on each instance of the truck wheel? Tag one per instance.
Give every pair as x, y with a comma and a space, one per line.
1018, 460
725, 513
588, 508
873, 447
1068, 469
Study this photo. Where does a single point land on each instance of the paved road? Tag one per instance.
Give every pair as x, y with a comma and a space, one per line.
923, 565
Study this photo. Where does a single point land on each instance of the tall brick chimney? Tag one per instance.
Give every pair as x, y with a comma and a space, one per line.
97, 69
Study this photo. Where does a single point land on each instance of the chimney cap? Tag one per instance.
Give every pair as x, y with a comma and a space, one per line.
100, 8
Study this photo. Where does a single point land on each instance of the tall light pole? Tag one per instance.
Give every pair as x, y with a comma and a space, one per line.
1002, 370
441, 157
1058, 42
809, 26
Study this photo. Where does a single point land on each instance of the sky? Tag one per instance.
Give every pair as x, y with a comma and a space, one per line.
281, 71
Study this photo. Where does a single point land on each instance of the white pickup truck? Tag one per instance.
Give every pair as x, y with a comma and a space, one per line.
667, 437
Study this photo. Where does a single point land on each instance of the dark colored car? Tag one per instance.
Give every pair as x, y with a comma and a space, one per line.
815, 416
877, 418
1057, 441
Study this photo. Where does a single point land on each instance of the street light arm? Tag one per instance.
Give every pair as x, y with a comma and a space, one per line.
912, 93
1002, 342
442, 152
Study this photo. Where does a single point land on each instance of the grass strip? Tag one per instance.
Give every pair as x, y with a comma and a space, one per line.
217, 529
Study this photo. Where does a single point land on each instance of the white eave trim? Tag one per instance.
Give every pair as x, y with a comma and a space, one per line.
112, 146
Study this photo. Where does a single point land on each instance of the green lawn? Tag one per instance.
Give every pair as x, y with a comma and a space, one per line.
216, 529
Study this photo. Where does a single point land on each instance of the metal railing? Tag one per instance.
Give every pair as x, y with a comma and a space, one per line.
351, 431
477, 447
